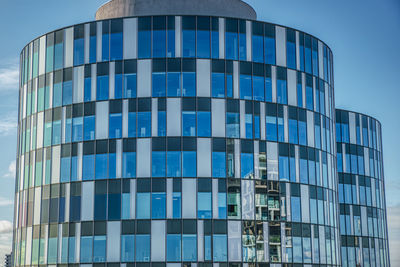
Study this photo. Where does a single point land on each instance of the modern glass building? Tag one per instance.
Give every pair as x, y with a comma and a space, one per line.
183, 132
363, 225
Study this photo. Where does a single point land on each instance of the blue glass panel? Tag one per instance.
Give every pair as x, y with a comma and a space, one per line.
283, 168
65, 169
100, 202
74, 168
102, 87
204, 209
88, 167
56, 131
144, 124
203, 44
114, 206
293, 131
232, 125
132, 124
129, 165
142, 248
174, 84
101, 166
99, 249
189, 163
93, 48
249, 126
89, 123
158, 207
77, 129
87, 95
218, 84
189, 43
115, 125
219, 248
189, 248
118, 86
281, 91
229, 85
269, 44
143, 206
256, 126
245, 87
174, 247
130, 85
231, 41
116, 46
162, 123
189, 84
127, 248
204, 124
189, 123
247, 165
144, 44
67, 93
159, 43
271, 128
79, 51
158, 161
176, 205
296, 209
219, 164
105, 46
242, 46
174, 164
258, 55
258, 88
159, 84
86, 249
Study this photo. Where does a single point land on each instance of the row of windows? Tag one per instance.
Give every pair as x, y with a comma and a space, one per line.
362, 221
353, 128
363, 251
176, 157
176, 78
173, 198
359, 160
157, 37
360, 190
188, 117
177, 241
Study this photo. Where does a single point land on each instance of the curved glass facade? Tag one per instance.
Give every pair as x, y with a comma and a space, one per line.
363, 225
173, 140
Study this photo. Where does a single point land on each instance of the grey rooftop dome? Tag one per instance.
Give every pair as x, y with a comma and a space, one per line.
221, 8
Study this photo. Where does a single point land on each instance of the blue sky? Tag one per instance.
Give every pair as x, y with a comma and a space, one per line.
363, 35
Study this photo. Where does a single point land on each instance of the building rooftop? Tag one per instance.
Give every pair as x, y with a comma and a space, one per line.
221, 8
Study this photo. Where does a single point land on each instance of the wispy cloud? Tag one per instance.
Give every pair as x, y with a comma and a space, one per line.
8, 124
394, 233
5, 202
9, 77
11, 170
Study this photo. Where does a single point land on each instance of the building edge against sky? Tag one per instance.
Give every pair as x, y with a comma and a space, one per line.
186, 139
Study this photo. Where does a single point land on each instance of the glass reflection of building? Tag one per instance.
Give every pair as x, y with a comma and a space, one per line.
155, 138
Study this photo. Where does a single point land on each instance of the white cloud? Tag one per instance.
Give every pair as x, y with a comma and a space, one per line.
9, 77
5, 227
5, 202
11, 170
8, 124
394, 233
